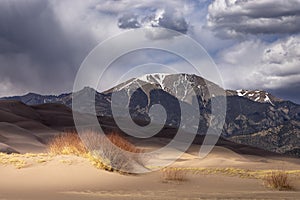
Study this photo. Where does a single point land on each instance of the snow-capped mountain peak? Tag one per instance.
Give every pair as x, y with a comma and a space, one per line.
255, 95
157, 78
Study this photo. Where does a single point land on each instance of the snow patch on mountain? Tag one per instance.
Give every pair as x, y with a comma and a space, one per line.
157, 78
257, 95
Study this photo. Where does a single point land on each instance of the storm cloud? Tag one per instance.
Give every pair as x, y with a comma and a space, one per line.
233, 18
36, 51
43, 42
166, 18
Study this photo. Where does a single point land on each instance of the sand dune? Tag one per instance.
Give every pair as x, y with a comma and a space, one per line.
19, 109
7, 149
42, 176
26, 128
20, 139
71, 177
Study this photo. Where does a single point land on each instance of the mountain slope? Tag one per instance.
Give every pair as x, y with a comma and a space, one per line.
253, 117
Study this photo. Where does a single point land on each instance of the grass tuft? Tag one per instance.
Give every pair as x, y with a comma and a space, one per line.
67, 144
122, 143
113, 151
174, 174
278, 180
12, 159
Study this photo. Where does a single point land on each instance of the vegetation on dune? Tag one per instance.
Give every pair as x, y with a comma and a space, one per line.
122, 143
275, 179
118, 154
13, 160
67, 144
114, 156
173, 174
111, 156
230, 171
278, 180
20, 161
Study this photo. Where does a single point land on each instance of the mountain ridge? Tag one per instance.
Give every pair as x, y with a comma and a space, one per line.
254, 95
253, 117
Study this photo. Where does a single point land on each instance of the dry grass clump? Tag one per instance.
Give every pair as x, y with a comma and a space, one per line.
67, 144
278, 180
235, 172
113, 150
122, 143
20, 161
12, 159
112, 156
174, 174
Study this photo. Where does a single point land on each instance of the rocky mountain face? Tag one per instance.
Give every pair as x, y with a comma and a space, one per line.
253, 117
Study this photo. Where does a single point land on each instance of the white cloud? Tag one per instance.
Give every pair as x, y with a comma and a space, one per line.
234, 18
167, 18
256, 64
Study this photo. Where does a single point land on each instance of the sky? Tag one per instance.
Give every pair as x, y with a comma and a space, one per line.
255, 43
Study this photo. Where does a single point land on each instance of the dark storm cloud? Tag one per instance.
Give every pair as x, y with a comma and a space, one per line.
166, 18
35, 51
43, 42
32, 28
230, 18
290, 92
